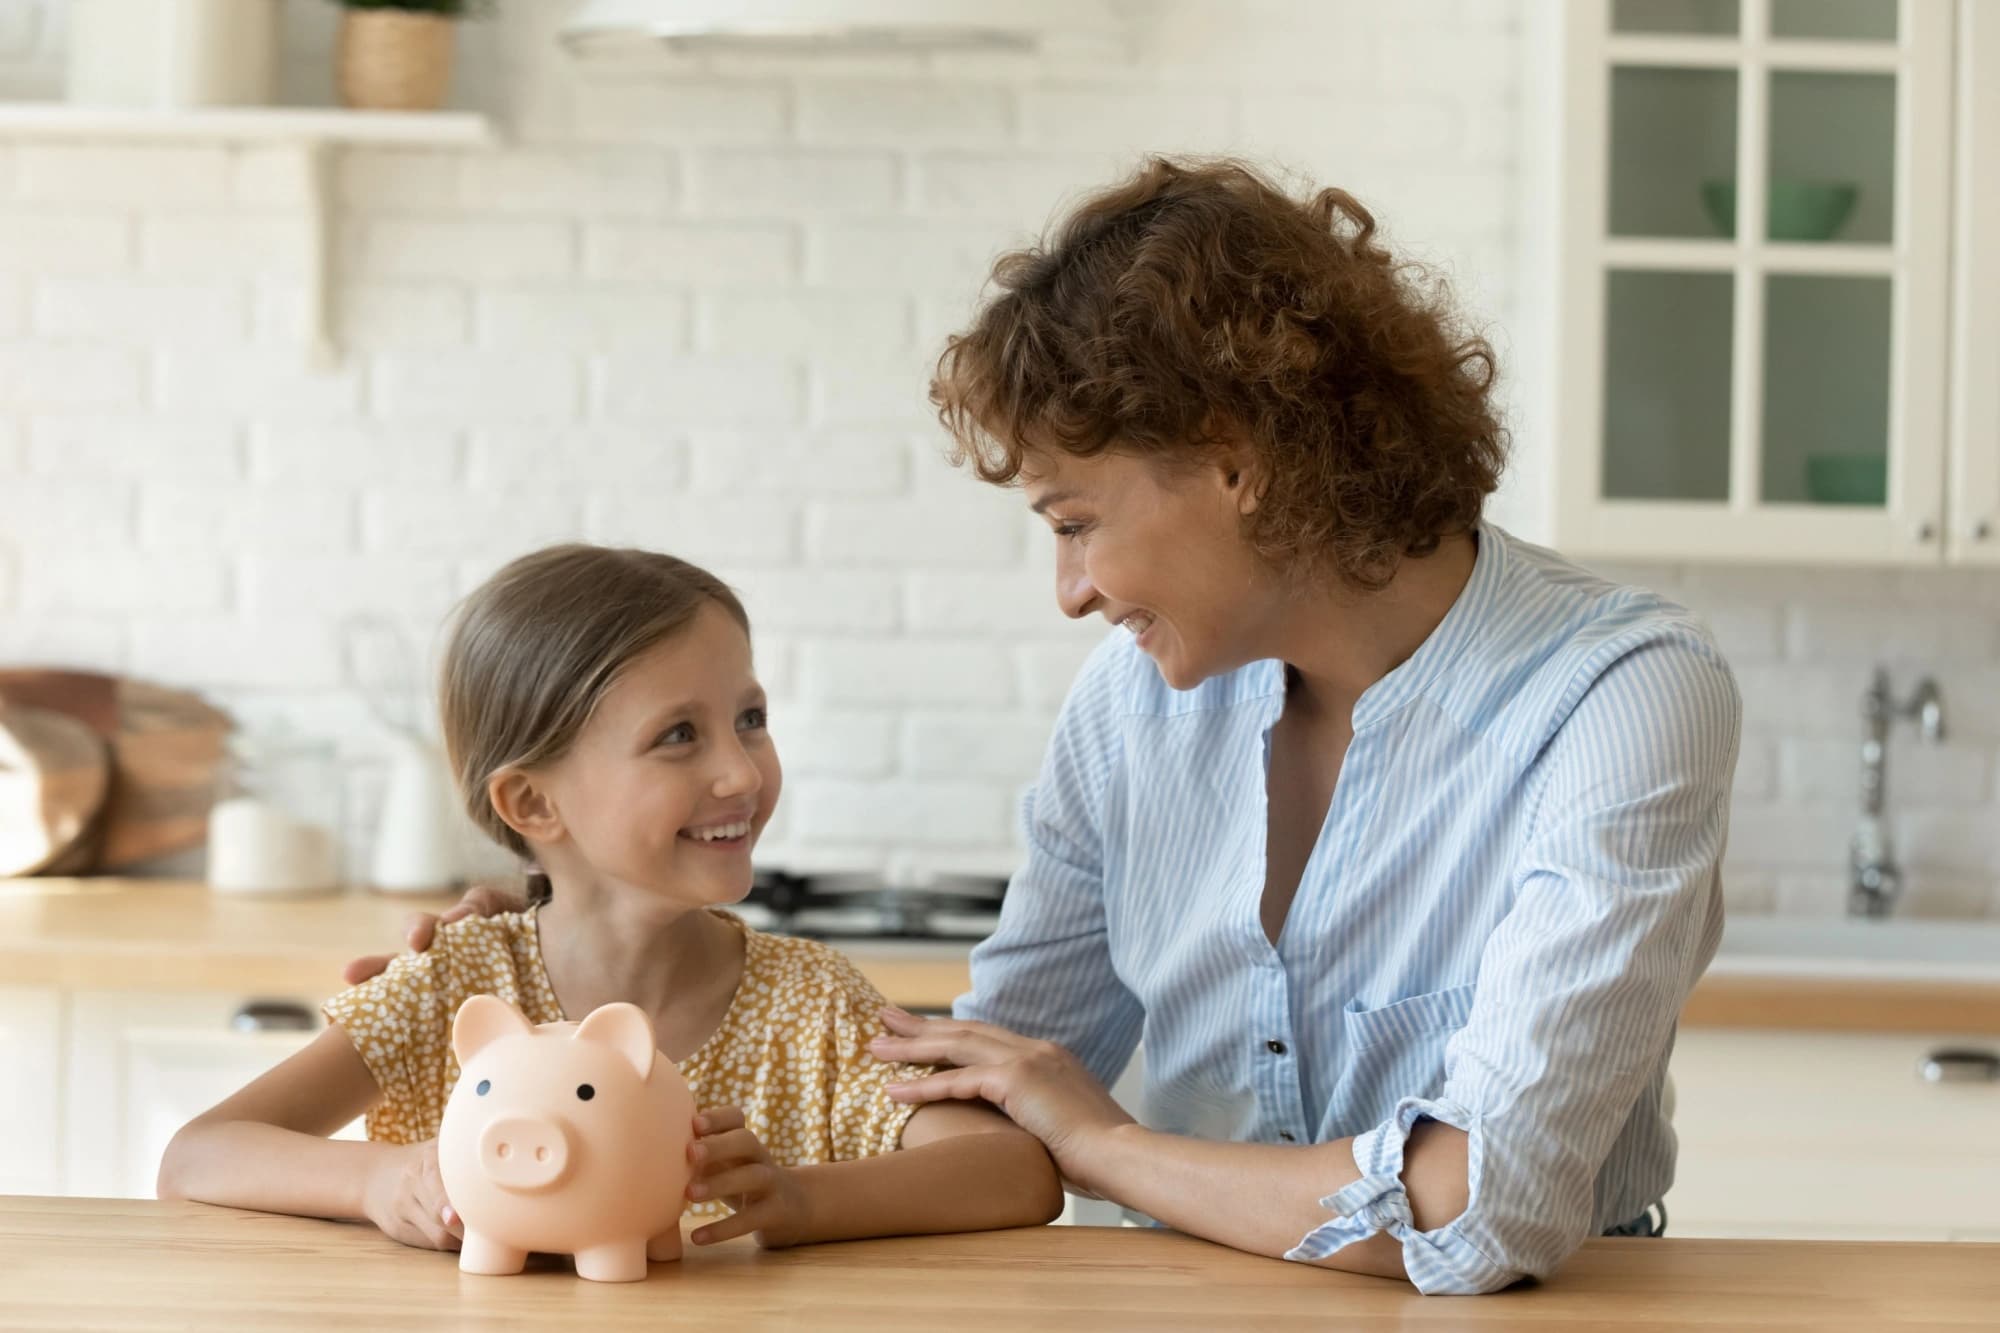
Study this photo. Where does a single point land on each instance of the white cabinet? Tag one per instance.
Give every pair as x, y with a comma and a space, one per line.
141, 1065
1831, 1136
1803, 370
30, 1090
1973, 486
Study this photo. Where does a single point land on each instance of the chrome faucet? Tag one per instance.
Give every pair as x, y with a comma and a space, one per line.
1875, 881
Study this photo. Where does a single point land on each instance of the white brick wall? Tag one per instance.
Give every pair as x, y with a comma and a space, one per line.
696, 310
1804, 647
697, 254
13, 305
223, 245
159, 179
44, 241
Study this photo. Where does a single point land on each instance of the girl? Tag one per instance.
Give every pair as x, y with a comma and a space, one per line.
604, 720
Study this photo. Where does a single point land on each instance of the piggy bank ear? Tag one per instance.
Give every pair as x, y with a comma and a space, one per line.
626, 1030
483, 1020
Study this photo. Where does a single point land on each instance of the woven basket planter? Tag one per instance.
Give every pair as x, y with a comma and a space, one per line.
394, 60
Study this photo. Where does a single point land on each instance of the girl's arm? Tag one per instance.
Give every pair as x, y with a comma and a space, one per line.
961, 1167
266, 1147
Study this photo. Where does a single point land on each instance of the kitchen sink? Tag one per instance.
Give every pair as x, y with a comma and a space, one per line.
1967, 949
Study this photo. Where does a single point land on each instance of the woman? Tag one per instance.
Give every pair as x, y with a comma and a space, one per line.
1395, 838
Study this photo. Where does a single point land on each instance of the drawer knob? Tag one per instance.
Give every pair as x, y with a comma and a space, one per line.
1960, 1064
273, 1016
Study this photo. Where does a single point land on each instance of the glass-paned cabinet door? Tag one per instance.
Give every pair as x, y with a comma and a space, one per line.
1755, 371
1973, 481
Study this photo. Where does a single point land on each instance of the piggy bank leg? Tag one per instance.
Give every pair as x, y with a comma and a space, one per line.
483, 1254
621, 1261
665, 1248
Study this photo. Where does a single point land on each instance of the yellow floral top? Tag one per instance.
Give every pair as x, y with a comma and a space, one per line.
791, 1051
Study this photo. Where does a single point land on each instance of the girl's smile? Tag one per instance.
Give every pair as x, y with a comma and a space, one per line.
673, 778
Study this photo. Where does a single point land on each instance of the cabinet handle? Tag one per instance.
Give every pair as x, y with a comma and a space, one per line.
272, 1016
1982, 529
1926, 530
1960, 1064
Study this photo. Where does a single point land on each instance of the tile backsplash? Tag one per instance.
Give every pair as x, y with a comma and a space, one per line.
694, 308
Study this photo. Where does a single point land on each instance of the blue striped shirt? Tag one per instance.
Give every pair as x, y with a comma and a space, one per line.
1512, 894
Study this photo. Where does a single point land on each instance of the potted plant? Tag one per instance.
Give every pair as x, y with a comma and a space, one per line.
395, 55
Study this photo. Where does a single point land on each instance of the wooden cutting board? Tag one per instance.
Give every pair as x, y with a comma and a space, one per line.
165, 745
55, 776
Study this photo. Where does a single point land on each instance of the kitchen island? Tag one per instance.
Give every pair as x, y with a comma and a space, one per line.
134, 1005
131, 1264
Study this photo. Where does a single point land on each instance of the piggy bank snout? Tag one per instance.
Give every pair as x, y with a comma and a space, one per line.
524, 1152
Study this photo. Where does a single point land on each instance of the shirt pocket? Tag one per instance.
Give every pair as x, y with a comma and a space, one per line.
1395, 1051
1400, 1020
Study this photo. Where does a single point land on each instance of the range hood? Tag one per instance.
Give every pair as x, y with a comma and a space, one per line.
827, 27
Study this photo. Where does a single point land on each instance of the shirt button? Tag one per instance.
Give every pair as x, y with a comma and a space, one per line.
1274, 1046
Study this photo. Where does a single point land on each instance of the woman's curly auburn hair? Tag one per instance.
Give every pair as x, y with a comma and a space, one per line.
1197, 301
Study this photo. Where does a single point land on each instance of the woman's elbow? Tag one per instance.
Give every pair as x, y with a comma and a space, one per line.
1437, 1174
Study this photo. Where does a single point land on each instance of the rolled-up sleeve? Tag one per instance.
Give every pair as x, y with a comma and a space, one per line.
1047, 972
1617, 911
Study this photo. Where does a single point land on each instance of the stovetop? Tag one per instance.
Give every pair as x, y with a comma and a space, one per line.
851, 906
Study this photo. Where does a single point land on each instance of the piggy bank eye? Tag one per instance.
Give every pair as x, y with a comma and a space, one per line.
584, 1092
485, 1086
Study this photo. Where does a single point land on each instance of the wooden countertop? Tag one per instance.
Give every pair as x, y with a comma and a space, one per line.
173, 935
138, 1263
123, 934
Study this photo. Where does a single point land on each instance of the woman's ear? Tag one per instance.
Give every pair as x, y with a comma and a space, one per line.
1236, 465
524, 805
1243, 478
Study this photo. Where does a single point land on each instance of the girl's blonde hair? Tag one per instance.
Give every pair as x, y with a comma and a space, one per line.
534, 649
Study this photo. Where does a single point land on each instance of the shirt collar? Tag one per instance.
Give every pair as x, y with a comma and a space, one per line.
1462, 624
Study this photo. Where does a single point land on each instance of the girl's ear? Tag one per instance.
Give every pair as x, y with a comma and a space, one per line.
524, 805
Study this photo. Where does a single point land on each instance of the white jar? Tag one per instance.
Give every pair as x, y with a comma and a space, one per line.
173, 53
418, 840
274, 828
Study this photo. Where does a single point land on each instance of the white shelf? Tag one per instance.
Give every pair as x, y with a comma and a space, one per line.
310, 133
257, 124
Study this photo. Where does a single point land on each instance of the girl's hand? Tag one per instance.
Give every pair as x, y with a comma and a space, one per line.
421, 927
1041, 1086
730, 1163
405, 1198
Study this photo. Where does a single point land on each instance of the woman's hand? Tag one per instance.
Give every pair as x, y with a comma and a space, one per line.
731, 1163
1040, 1085
405, 1198
479, 900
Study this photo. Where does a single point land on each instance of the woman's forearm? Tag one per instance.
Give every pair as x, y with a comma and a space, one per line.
969, 1182
248, 1164
1265, 1198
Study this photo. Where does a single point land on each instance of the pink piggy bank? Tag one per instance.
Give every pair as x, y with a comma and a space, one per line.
569, 1138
